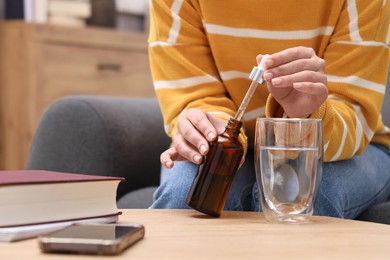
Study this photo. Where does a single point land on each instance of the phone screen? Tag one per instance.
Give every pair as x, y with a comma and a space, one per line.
92, 239
106, 232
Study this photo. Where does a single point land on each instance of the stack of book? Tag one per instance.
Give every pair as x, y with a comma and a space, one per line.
35, 202
68, 12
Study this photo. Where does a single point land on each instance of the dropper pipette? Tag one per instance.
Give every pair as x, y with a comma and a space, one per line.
256, 77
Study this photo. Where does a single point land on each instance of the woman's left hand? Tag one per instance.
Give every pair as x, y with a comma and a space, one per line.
296, 79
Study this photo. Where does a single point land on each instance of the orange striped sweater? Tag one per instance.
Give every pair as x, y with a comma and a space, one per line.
201, 53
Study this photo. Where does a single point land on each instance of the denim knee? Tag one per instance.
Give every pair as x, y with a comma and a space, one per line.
175, 184
326, 206
349, 187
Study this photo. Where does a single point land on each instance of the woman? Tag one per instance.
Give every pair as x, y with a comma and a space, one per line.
328, 59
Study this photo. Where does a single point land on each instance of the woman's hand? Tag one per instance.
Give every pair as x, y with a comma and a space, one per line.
194, 130
296, 79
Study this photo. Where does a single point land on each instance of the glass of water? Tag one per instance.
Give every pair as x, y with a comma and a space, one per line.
288, 161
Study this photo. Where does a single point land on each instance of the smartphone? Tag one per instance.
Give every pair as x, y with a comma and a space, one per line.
103, 239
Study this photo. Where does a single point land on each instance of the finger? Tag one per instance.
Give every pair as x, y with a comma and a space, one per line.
304, 76
259, 58
314, 64
289, 55
218, 123
169, 156
201, 122
187, 150
315, 89
192, 135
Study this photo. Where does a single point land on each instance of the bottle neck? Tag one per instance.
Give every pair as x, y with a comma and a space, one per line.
233, 127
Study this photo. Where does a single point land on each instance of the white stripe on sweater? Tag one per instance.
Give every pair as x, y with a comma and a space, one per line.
253, 114
368, 132
223, 114
175, 29
233, 74
162, 44
183, 83
326, 147
385, 130
358, 129
343, 138
358, 82
365, 43
361, 123
353, 21
266, 34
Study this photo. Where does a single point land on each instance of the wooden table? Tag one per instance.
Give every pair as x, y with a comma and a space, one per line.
186, 234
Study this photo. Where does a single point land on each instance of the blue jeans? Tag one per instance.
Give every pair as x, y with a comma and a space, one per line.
346, 190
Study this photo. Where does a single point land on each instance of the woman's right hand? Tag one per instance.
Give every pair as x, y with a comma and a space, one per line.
195, 129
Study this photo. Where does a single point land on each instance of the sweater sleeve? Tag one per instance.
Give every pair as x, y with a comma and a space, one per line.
357, 58
182, 65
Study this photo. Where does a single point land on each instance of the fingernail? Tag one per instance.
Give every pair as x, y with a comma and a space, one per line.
211, 136
169, 164
203, 149
268, 63
197, 158
276, 81
268, 76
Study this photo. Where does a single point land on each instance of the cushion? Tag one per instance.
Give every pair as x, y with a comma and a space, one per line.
379, 213
138, 199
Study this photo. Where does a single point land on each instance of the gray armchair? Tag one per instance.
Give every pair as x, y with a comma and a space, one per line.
95, 125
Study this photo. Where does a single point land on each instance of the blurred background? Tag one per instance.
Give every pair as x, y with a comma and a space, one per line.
51, 49
125, 15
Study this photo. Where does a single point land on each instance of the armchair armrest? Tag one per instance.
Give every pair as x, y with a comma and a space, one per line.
102, 136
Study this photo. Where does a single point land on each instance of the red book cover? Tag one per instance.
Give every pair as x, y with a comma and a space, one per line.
39, 176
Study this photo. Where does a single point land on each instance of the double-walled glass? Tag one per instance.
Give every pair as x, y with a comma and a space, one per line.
288, 161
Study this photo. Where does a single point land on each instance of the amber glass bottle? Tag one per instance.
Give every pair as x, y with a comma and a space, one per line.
215, 175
